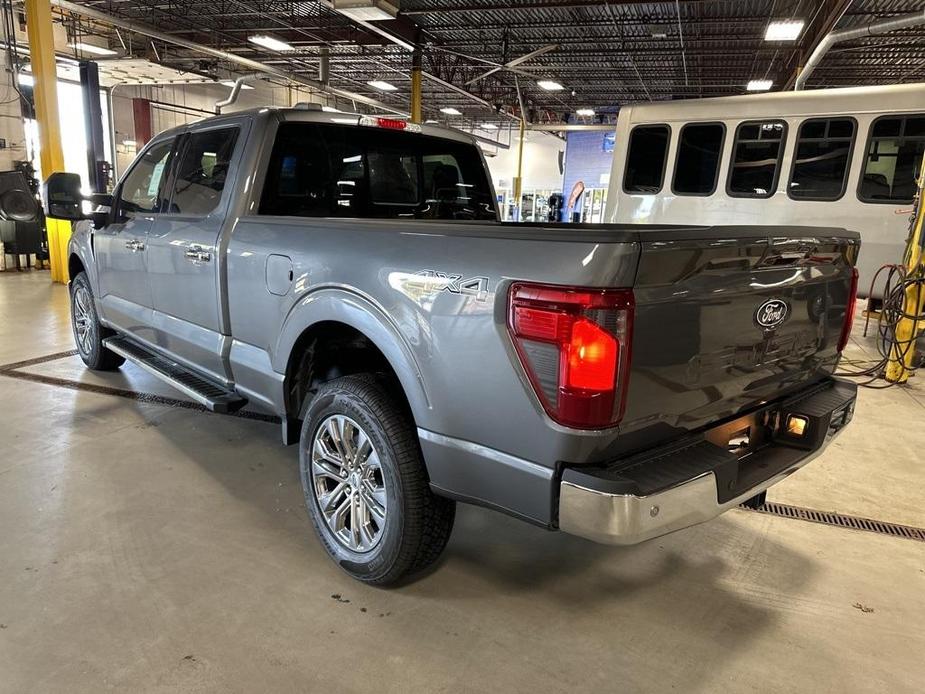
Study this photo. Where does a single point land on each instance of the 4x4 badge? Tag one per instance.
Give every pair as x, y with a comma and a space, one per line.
455, 284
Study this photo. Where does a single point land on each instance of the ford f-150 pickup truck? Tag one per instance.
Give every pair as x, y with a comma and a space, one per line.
349, 274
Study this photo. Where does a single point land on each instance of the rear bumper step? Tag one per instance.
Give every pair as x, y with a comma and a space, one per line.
199, 388
691, 481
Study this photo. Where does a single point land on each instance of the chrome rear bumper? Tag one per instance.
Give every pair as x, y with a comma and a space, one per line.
629, 518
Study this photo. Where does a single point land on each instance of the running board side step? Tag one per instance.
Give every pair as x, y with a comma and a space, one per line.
204, 391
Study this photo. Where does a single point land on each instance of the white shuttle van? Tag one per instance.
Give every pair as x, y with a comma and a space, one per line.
834, 157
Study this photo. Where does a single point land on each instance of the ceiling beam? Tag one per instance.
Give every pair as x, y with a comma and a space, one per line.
555, 5
254, 65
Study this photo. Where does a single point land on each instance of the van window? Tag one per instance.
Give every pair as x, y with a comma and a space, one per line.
202, 171
756, 156
646, 158
320, 170
697, 166
823, 153
894, 156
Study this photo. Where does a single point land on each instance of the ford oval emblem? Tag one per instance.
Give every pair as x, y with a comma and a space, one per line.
772, 313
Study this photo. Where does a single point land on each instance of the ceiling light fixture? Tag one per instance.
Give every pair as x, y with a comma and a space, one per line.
784, 30
450, 111
26, 80
585, 112
489, 126
550, 85
366, 10
759, 85
230, 83
91, 48
270, 42
382, 85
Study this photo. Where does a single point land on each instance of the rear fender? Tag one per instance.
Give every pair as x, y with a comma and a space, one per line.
353, 309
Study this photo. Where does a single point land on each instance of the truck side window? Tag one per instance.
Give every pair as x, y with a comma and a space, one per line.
141, 190
820, 164
894, 155
202, 171
697, 166
646, 158
756, 156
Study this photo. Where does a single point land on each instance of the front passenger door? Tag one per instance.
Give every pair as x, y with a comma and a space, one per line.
184, 253
120, 247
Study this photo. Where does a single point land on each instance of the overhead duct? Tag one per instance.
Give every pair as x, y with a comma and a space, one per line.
235, 91
366, 10
835, 37
253, 65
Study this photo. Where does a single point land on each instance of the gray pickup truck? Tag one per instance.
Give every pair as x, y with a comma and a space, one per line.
349, 274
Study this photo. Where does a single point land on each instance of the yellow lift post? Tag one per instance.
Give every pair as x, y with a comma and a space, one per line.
909, 326
417, 87
42, 52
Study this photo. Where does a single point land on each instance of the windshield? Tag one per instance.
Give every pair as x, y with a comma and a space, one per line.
320, 170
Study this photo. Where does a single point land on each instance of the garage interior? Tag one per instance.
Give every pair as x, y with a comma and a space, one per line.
150, 545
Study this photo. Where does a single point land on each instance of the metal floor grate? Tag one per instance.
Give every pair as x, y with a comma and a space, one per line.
840, 520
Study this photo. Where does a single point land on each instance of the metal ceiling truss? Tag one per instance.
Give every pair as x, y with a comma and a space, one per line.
605, 53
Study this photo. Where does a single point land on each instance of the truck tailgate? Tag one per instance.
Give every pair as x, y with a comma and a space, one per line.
728, 320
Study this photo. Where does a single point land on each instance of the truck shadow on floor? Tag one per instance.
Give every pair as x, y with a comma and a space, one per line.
689, 602
723, 583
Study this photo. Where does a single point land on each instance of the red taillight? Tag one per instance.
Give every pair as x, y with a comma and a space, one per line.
574, 345
592, 357
849, 311
392, 123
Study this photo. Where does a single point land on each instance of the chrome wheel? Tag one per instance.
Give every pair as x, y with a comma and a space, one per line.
83, 320
348, 483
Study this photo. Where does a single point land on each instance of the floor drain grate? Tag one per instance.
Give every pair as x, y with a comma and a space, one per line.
841, 521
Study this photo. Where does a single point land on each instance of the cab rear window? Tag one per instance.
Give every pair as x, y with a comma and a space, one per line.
320, 170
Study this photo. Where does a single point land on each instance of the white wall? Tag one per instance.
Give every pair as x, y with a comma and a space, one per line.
11, 125
540, 164
192, 97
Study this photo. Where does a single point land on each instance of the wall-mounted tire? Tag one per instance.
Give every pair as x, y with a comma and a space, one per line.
365, 483
88, 333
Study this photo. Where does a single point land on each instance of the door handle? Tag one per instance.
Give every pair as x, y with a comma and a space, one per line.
198, 255
135, 245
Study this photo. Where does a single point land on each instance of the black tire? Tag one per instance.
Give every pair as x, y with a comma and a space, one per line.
417, 523
88, 333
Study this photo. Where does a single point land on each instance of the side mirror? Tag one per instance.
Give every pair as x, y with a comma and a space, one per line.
61, 197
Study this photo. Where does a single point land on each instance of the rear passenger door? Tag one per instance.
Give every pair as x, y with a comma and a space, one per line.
185, 264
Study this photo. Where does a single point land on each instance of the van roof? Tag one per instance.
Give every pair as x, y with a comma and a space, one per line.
852, 100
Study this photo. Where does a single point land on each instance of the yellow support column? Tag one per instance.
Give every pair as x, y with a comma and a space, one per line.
42, 52
417, 88
518, 179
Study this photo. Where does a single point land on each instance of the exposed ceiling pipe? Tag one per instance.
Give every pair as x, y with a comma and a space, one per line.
253, 65
486, 140
235, 91
849, 35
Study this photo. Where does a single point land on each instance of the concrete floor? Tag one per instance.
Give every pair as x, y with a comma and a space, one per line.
147, 548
